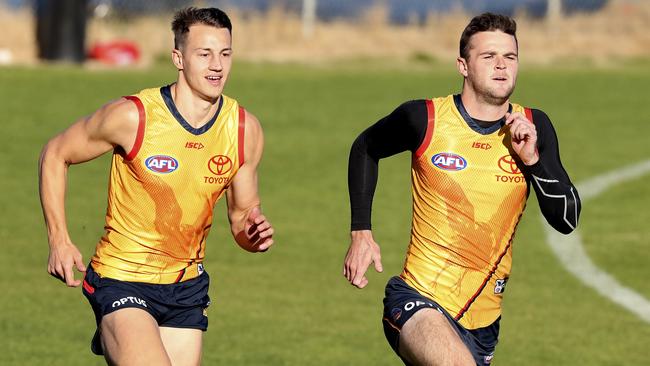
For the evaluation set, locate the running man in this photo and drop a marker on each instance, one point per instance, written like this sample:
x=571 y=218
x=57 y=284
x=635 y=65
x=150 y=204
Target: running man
x=176 y=150
x=474 y=157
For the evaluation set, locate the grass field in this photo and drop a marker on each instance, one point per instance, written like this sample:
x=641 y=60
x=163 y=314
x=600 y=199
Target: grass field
x=291 y=306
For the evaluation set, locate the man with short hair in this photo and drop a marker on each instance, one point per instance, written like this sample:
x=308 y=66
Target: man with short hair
x=475 y=155
x=176 y=150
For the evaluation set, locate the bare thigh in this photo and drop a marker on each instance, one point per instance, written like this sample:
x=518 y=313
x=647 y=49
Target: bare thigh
x=131 y=337
x=427 y=339
x=183 y=345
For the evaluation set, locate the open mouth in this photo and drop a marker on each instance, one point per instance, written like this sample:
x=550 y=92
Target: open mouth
x=214 y=80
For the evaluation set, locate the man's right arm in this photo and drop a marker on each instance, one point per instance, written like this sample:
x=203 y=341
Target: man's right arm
x=115 y=124
x=402 y=130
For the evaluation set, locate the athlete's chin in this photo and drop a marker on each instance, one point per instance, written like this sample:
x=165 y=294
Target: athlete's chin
x=498 y=97
x=212 y=93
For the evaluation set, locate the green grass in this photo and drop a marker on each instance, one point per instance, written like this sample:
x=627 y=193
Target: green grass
x=617 y=237
x=291 y=306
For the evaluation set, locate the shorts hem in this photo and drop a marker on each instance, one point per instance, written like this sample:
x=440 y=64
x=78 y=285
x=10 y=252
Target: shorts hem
x=182 y=326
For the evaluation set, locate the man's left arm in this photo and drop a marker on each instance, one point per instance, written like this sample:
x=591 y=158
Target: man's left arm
x=250 y=228
x=557 y=196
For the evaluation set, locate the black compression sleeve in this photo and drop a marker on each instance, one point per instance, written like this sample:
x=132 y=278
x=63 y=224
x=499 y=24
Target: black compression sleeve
x=558 y=198
x=402 y=130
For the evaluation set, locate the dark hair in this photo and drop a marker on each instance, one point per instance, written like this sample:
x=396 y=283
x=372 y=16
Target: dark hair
x=486 y=22
x=185 y=18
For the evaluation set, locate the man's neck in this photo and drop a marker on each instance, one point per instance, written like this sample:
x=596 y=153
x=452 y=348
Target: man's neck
x=480 y=109
x=195 y=110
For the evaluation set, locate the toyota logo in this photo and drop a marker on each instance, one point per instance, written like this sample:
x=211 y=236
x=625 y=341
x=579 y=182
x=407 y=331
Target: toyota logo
x=509 y=165
x=220 y=164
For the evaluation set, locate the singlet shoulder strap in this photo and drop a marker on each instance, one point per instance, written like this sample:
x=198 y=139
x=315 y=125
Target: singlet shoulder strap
x=431 y=116
x=240 y=135
x=141 y=124
x=529 y=113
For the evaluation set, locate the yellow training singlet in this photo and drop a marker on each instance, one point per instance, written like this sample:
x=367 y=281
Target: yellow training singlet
x=162 y=193
x=468 y=196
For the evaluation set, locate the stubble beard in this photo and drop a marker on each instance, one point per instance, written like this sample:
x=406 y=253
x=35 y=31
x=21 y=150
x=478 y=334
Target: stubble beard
x=493 y=96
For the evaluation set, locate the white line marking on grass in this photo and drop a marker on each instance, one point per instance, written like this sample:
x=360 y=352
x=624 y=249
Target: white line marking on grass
x=569 y=249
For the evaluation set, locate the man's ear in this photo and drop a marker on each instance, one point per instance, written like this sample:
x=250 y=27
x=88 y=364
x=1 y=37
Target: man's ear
x=177 y=59
x=461 y=64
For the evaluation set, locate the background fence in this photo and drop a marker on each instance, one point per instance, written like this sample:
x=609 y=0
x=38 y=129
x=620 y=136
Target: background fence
x=600 y=31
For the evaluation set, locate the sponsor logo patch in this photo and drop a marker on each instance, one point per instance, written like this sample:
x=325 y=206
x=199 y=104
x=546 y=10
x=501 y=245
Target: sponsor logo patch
x=194 y=145
x=509 y=178
x=219 y=164
x=161 y=164
x=416 y=304
x=449 y=161
x=215 y=180
x=129 y=300
x=481 y=145
x=508 y=165
x=500 y=286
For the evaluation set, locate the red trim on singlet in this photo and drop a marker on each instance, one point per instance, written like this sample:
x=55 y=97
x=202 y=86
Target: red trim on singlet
x=141 y=124
x=88 y=288
x=431 y=115
x=240 y=135
x=529 y=115
x=180 y=275
x=487 y=279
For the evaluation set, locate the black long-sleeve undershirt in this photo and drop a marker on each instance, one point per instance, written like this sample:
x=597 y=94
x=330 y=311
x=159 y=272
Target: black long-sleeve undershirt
x=558 y=198
x=404 y=129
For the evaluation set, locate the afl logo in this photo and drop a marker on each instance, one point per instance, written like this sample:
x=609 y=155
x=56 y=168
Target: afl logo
x=161 y=164
x=509 y=165
x=219 y=164
x=449 y=161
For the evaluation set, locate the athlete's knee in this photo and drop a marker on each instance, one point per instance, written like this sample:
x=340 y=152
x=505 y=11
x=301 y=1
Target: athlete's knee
x=183 y=345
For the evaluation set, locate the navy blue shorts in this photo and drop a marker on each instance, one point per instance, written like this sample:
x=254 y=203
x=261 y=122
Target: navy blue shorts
x=177 y=305
x=402 y=301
